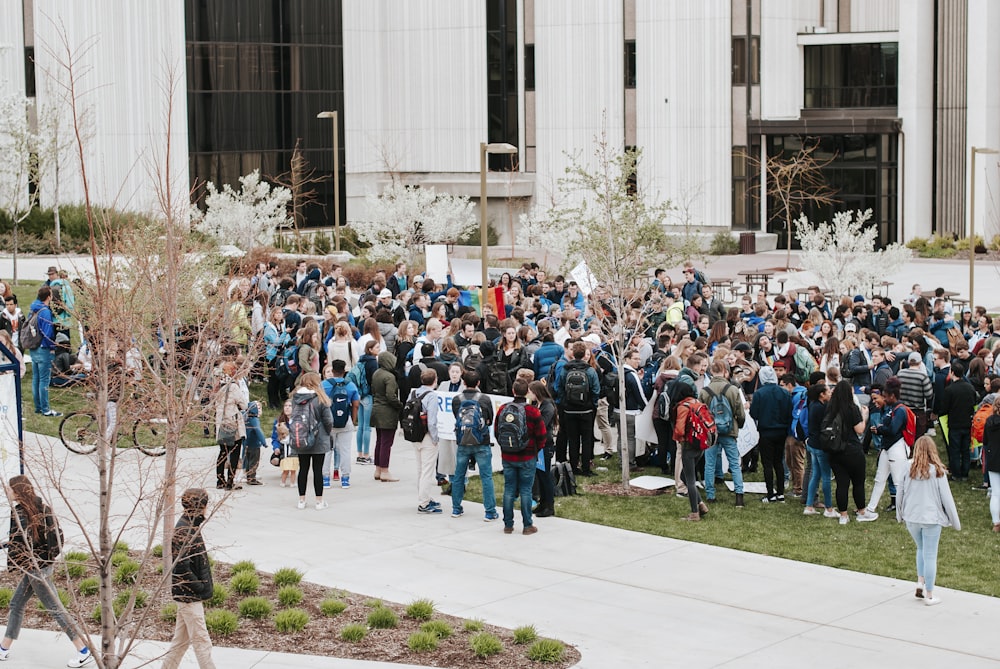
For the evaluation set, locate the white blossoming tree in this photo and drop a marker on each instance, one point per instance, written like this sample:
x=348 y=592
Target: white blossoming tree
x=246 y=218
x=842 y=254
x=402 y=219
x=539 y=231
x=19 y=146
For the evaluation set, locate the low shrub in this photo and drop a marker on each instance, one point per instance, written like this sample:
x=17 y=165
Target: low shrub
x=420 y=609
x=287 y=576
x=121 y=599
x=439 y=627
x=120 y=547
x=290 y=595
x=422 y=642
x=332 y=607
x=158 y=550
x=118 y=558
x=472 y=625
x=546 y=650
x=89 y=586
x=373 y=603
x=63 y=597
x=525 y=634
x=723 y=244
x=220 y=594
x=918 y=244
x=95 y=615
x=291 y=620
x=484 y=645
x=221 y=622
x=256 y=608
x=6 y=594
x=127 y=572
x=76 y=564
x=382 y=618
x=169 y=613
x=245 y=583
x=244 y=565
x=963 y=244
x=353 y=632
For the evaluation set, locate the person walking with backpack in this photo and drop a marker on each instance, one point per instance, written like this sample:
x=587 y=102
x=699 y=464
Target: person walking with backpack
x=839 y=435
x=577 y=389
x=33 y=544
x=192 y=583
x=520 y=431
x=892 y=458
x=344 y=403
x=385 y=414
x=723 y=400
x=771 y=408
x=309 y=432
x=420 y=427
x=473 y=415
x=926 y=505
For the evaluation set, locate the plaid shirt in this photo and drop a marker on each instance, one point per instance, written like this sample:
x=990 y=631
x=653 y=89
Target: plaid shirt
x=536 y=433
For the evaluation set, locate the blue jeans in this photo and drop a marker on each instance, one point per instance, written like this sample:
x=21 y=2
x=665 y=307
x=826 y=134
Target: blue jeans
x=41 y=375
x=364 y=425
x=926 y=537
x=484 y=462
x=37 y=582
x=713 y=459
x=518 y=477
x=819 y=469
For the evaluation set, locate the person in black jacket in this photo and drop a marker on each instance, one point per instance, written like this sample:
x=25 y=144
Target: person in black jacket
x=192 y=583
x=33 y=544
x=958 y=403
x=771 y=408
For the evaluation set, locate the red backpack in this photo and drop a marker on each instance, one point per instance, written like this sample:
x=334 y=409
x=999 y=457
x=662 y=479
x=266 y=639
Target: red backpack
x=700 y=427
x=984 y=411
x=910 y=428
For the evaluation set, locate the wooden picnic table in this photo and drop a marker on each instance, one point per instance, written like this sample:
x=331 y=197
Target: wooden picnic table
x=756 y=277
x=726 y=289
x=948 y=294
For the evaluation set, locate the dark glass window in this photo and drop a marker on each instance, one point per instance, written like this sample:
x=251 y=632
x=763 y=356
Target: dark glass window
x=259 y=71
x=501 y=79
x=529 y=67
x=739 y=57
x=851 y=75
x=740 y=199
x=630 y=63
x=29 y=71
x=863 y=174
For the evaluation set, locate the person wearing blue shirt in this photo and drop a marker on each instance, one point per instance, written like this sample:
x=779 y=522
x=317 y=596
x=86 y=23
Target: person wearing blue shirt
x=275 y=339
x=341 y=438
x=42 y=356
x=577 y=413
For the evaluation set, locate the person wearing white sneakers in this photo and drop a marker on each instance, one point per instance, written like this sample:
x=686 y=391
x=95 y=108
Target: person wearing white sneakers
x=925 y=504
x=309 y=430
x=844 y=448
x=33 y=544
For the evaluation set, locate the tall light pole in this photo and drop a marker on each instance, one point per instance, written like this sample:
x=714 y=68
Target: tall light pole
x=972 y=224
x=484 y=150
x=336 y=176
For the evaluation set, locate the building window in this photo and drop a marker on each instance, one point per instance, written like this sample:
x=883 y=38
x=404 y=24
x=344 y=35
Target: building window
x=739 y=55
x=630 y=63
x=740 y=199
x=851 y=75
x=501 y=80
x=29 y=71
x=529 y=67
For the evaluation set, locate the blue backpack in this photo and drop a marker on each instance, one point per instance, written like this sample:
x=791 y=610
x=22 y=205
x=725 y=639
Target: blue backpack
x=800 y=415
x=340 y=407
x=359 y=377
x=721 y=410
x=470 y=427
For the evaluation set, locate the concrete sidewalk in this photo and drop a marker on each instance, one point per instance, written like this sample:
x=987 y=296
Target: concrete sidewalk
x=625 y=599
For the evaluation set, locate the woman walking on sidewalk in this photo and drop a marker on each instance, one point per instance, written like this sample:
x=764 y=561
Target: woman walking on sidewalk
x=925 y=504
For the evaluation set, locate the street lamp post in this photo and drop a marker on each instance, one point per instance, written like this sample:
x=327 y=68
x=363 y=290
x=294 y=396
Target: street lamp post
x=336 y=175
x=972 y=223
x=484 y=150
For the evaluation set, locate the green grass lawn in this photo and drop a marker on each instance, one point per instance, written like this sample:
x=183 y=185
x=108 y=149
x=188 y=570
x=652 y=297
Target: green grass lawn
x=966 y=559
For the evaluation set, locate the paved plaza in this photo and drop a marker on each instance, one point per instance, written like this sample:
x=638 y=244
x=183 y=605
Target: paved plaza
x=625 y=599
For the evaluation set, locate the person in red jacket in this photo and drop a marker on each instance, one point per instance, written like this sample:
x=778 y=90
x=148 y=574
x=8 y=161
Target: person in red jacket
x=520 y=432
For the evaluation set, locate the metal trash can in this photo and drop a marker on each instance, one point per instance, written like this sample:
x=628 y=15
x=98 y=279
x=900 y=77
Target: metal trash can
x=748 y=243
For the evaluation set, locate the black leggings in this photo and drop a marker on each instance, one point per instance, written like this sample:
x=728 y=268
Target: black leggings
x=772 y=452
x=228 y=455
x=316 y=460
x=849 y=469
x=689 y=459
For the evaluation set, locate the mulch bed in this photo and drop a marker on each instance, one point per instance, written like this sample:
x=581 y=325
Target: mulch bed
x=321 y=635
x=614 y=489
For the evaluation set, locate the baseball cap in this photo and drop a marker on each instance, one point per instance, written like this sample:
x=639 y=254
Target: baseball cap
x=850 y=327
x=859 y=298
x=385 y=293
x=671 y=295
x=743 y=346
x=914 y=358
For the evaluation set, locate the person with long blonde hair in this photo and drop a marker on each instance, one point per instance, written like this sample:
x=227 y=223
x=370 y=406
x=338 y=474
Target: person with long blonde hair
x=924 y=502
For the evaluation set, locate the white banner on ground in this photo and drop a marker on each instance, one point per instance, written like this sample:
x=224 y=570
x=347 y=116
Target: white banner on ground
x=10 y=453
x=437 y=262
x=446 y=415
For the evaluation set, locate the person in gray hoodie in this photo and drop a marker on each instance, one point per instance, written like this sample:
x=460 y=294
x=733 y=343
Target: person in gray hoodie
x=925 y=504
x=771 y=408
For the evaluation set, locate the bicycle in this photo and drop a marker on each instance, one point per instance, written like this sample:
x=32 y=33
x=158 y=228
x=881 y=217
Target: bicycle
x=78 y=432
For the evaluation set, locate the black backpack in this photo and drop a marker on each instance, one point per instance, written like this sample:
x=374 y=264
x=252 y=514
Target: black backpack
x=413 y=420
x=53 y=537
x=340 y=407
x=512 y=428
x=563 y=479
x=576 y=387
x=831 y=433
x=495 y=380
x=651 y=371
